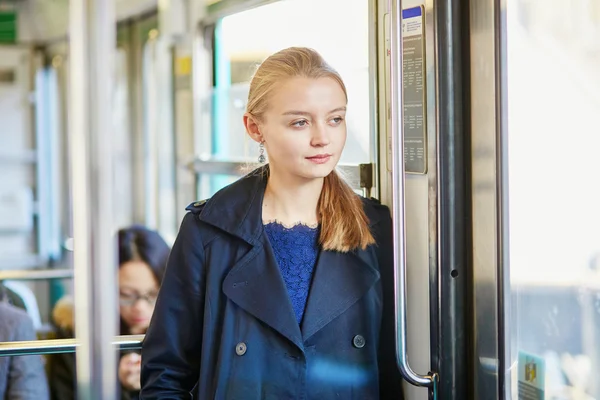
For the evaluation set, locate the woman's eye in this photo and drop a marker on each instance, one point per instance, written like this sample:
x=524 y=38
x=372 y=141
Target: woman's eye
x=337 y=120
x=300 y=124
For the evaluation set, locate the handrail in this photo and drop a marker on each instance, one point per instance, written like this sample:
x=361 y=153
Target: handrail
x=351 y=172
x=226 y=167
x=398 y=201
x=221 y=167
x=36 y=274
x=57 y=346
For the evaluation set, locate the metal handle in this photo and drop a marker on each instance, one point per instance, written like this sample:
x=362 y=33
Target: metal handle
x=399 y=234
x=28 y=348
x=352 y=173
x=36 y=274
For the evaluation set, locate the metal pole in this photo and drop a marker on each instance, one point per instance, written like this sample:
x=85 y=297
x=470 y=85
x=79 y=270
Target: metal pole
x=450 y=285
x=56 y=346
x=36 y=274
x=92 y=34
x=399 y=227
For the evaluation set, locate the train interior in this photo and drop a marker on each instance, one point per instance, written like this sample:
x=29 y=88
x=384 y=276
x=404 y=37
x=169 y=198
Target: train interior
x=500 y=136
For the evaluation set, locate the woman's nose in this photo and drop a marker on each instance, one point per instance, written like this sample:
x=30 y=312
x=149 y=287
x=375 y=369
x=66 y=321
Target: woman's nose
x=320 y=136
x=140 y=304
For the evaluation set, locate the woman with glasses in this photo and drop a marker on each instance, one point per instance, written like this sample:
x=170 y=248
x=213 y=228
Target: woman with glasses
x=142 y=255
x=142 y=258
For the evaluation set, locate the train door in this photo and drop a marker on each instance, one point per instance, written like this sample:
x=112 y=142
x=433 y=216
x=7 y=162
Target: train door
x=501 y=223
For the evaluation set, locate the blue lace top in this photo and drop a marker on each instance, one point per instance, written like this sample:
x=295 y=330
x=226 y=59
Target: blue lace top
x=296 y=250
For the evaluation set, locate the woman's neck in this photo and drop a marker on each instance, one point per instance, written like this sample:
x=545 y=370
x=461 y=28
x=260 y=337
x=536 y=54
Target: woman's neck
x=291 y=201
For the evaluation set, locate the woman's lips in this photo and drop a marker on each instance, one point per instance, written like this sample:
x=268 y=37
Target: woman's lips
x=320 y=158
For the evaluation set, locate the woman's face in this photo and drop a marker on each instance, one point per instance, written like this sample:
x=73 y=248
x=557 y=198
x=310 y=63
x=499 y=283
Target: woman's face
x=303 y=128
x=138 y=289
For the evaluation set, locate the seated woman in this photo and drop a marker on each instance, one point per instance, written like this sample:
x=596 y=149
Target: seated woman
x=142 y=256
x=21 y=377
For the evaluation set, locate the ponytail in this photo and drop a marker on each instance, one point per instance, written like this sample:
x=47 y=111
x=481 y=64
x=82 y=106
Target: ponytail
x=344 y=224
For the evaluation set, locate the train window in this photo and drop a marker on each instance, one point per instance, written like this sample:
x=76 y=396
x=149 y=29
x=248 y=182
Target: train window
x=208 y=182
x=553 y=62
x=245 y=39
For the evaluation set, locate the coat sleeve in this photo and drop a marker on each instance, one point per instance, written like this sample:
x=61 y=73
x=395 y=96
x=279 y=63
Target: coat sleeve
x=171 y=349
x=27 y=377
x=390 y=380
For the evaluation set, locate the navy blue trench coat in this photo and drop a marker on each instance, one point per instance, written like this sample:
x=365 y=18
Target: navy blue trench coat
x=224 y=327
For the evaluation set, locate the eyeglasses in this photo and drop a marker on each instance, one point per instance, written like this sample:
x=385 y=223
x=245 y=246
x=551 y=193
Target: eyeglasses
x=128 y=300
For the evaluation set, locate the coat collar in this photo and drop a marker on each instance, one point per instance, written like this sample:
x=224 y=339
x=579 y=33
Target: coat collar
x=255 y=283
x=237 y=208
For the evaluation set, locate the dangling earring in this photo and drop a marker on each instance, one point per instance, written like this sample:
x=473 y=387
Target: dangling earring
x=261 y=154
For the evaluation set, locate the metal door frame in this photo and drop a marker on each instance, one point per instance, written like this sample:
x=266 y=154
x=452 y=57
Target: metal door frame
x=490 y=284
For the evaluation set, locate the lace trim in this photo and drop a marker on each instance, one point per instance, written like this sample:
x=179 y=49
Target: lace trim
x=295 y=250
x=291 y=227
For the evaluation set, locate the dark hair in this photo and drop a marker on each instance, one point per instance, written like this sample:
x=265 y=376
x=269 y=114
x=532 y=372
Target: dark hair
x=137 y=243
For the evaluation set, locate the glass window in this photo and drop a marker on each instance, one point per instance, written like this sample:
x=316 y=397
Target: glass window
x=553 y=60
x=244 y=40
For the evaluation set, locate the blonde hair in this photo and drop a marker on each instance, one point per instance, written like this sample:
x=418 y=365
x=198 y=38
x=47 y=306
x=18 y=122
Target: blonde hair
x=344 y=224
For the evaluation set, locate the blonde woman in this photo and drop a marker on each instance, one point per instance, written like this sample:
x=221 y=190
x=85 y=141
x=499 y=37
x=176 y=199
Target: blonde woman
x=280 y=286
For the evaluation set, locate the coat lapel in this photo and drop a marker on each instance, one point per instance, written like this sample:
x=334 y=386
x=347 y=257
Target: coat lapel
x=339 y=281
x=256 y=285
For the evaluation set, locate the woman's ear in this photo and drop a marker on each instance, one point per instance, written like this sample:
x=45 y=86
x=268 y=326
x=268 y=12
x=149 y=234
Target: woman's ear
x=252 y=128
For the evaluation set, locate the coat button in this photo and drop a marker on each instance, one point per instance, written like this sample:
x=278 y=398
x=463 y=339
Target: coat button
x=358 y=341
x=240 y=349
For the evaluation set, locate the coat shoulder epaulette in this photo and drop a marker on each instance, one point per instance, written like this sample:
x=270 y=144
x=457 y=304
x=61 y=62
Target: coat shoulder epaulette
x=197 y=206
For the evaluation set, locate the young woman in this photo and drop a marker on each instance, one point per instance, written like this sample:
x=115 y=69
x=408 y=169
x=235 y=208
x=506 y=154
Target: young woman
x=280 y=286
x=142 y=255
